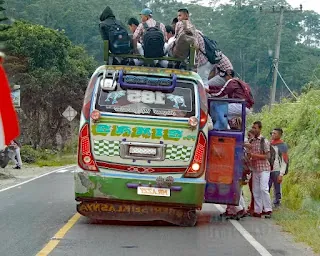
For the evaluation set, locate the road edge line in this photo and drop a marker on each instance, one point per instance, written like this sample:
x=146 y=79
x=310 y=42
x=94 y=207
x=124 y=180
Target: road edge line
x=49 y=247
x=255 y=244
x=35 y=178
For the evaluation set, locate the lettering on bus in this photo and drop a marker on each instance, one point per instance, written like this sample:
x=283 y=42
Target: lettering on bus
x=149 y=70
x=129 y=209
x=137 y=132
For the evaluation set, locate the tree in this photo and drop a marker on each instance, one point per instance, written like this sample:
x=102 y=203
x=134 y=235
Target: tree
x=244 y=34
x=3 y=17
x=53 y=74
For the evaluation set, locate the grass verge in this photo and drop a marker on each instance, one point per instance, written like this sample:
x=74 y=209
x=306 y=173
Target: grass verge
x=302 y=224
x=57 y=160
x=300 y=210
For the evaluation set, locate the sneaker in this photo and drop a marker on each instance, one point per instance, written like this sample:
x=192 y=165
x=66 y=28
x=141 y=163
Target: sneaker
x=267 y=215
x=256 y=215
x=17 y=167
x=242 y=213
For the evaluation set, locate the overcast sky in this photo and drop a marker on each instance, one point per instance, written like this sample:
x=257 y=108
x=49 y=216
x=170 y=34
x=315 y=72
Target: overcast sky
x=306 y=4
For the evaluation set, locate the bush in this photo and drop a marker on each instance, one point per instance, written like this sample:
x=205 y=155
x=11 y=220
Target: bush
x=29 y=155
x=300 y=122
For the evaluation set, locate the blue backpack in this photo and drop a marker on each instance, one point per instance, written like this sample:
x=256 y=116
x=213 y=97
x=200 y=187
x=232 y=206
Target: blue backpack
x=213 y=54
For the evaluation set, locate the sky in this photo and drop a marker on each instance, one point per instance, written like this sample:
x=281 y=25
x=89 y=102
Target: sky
x=306 y=4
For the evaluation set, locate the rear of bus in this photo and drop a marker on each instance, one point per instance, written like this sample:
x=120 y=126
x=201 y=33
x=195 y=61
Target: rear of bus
x=142 y=142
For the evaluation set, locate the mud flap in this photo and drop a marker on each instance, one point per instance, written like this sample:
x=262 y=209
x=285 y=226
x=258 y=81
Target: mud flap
x=185 y=217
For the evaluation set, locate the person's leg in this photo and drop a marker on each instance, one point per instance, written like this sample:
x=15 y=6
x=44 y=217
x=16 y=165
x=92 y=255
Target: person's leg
x=217 y=81
x=265 y=195
x=251 y=206
x=19 y=161
x=256 y=177
x=271 y=181
x=204 y=71
x=277 y=189
x=219 y=110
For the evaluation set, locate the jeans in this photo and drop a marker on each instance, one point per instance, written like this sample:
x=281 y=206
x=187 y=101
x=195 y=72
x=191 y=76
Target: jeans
x=277 y=187
x=18 y=161
x=219 y=111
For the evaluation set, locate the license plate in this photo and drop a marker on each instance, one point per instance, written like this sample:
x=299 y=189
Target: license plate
x=149 y=191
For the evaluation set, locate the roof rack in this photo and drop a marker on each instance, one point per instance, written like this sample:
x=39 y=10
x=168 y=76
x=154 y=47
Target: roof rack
x=187 y=64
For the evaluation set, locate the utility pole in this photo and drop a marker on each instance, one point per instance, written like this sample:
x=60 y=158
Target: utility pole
x=275 y=62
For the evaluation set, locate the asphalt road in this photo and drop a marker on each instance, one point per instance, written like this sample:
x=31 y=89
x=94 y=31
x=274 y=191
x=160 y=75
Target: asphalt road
x=31 y=214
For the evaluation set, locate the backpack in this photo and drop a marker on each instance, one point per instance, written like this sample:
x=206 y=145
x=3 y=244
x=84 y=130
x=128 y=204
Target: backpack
x=119 y=40
x=213 y=54
x=186 y=37
x=287 y=167
x=272 y=155
x=153 y=41
x=247 y=93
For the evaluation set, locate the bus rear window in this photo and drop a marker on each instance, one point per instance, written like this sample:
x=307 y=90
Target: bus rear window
x=179 y=103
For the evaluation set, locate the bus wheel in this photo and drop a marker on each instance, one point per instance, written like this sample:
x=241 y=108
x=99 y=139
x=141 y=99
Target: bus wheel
x=189 y=219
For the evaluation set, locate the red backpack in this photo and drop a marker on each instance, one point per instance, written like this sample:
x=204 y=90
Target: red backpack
x=247 y=93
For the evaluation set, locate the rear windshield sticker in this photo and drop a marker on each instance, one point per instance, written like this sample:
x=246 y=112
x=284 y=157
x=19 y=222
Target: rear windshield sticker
x=179 y=103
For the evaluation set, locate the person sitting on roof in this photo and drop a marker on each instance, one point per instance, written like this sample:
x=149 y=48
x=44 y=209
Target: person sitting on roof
x=184 y=34
x=151 y=33
x=115 y=32
x=169 y=38
x=133 y=24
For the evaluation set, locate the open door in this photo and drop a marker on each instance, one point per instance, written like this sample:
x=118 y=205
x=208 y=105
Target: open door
x=225 y=156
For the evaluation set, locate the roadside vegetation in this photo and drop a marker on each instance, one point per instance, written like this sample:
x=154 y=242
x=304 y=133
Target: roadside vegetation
x=300 y=120
x=53 y=72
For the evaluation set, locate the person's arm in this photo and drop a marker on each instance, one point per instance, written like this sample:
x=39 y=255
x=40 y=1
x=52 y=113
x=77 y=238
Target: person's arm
x=136 y=36
x=264 y=156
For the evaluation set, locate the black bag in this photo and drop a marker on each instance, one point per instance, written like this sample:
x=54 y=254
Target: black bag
x=153 y=41
x=119 y=40
x=272 y=155
x=213 y=54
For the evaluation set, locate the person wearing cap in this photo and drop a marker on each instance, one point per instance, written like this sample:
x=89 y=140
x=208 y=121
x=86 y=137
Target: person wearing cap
x=146 y=17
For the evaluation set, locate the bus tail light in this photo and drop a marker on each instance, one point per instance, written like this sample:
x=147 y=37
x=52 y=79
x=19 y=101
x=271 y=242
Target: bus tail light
x=198 y=163
x=85 y=157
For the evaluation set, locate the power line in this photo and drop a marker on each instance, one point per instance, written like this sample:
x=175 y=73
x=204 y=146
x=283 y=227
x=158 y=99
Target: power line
x=285 y=82
x=277 y=50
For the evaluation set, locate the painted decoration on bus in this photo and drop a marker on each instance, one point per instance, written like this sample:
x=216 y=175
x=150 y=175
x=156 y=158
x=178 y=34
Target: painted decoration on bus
x=179 y=103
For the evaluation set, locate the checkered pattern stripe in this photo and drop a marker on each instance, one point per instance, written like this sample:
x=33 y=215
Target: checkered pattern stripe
x=106 y=148
x=177 y=152
x=112 y=148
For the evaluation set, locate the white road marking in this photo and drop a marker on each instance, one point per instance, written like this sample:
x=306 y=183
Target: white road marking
x=262 y=251
x=63 y=170
x=37 y=177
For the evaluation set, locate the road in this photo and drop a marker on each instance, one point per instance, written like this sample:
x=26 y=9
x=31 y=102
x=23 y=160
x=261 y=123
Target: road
x=33 y=213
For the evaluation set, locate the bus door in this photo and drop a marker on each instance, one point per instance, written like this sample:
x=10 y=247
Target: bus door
x=225 y=153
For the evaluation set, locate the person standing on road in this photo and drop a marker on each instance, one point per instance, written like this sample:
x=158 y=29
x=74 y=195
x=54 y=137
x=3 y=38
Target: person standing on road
x=16 y=157
x=9 y=126
x=280 y=164
x=259 y=155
